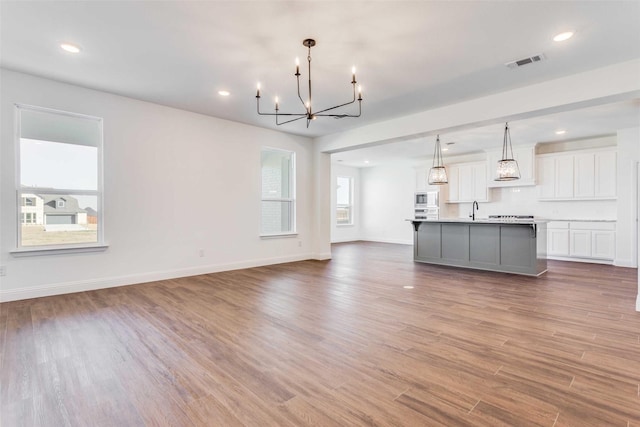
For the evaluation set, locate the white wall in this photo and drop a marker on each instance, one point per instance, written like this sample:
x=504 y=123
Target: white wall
x=346 y=233
x=627 y=212
x=387 y=201
x=175 y=182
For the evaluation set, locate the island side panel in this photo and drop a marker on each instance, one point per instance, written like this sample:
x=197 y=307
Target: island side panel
x=484 y=246
x=428 y=242
x=518 y=252
x=541 y=241
x=455 y=244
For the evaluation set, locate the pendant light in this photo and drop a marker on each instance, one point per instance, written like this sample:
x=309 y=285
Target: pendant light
x=437 y=173
x=508 y=169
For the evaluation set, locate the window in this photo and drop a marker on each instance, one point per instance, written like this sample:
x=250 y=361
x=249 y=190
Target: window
x=59 y=179
x=278 y=192
x=344 y=201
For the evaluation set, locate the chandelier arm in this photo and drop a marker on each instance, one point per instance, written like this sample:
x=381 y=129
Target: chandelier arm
x=300 y=97
x=302 y=116
x=338 y=106
x=282 y=114
x=342 y=115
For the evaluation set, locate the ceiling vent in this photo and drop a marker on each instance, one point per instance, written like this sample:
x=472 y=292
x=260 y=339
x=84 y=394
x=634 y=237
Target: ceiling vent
x=525 y=61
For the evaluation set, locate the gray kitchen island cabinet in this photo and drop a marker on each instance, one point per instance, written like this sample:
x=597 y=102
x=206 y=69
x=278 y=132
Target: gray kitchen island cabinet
x=518 y=247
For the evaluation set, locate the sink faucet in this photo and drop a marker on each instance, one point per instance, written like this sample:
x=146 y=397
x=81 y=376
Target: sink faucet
x=474 y=208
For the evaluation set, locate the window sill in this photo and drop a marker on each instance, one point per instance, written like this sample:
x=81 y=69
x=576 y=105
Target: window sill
x=345 y=225
x=278 y=236
x=27 y=252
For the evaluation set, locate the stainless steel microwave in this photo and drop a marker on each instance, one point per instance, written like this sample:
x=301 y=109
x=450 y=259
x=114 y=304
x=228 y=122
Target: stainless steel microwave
x=426 y=199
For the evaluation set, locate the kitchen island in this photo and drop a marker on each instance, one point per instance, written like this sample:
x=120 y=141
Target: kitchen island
x=509 y=246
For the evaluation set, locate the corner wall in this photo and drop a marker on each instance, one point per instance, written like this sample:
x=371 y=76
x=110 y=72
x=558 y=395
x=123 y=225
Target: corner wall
x=627 y=203
x=346 y=233
x=387 y=201
x=175 y=183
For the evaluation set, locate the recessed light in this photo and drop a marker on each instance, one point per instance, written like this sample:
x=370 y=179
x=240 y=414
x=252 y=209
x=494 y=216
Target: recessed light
x=445 y=149
x=224 y=93
x=71 y=48
x=561 y=132
x=563 y=36
x=366 y=162
x=408 y=287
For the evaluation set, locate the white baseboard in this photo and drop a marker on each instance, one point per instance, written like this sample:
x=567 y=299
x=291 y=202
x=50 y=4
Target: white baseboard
x=638 y=302
x=112 y=282
x=625 y=263
x=588 y=260
x=394 y=241
x=355 y=239
x=322 y=256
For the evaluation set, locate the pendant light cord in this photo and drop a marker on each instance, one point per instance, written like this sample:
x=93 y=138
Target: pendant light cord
x=507 y=137
x=437 y=154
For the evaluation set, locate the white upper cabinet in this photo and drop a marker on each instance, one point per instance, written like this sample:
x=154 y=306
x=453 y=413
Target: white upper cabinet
x=563 y=180
x=584 y=183
x=467 y=182
x=584 y=175
x=525 y=156
x=605 y=170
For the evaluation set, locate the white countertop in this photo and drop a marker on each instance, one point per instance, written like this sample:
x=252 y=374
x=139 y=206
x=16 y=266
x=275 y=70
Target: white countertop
x=484 y=220
x=582 y=220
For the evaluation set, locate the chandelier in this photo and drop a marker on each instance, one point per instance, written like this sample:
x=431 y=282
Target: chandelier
x=437 y=173
x=308 y=113
x=508 y=169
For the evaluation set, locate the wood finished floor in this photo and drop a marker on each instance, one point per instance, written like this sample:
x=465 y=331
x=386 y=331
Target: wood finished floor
x=335 y=343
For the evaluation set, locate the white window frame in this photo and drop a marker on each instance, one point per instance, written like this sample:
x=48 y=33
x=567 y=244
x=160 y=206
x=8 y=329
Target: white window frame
x=100 y=245
x=291 y=199
x=349 y=205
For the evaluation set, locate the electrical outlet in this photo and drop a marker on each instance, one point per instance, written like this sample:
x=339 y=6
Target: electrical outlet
x=3 y=270
x=201 y=253
x=299 y=243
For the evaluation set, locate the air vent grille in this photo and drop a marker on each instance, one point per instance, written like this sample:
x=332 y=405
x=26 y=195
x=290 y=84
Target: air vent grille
x=525 y=61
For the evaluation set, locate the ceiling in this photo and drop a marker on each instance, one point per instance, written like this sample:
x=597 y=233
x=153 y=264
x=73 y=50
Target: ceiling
x=410 y=55
x=603 y=120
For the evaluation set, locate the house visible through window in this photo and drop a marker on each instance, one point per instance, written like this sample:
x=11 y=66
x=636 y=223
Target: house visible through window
x=344 y=200
x=59 y=180
x=278 y=192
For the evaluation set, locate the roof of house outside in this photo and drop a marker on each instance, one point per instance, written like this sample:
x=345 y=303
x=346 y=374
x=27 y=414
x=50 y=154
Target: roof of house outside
x=70 y=206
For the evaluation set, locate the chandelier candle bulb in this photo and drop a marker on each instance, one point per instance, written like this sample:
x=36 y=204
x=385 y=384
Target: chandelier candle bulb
x=297 y=66
x=258 y=93
x=353 y=71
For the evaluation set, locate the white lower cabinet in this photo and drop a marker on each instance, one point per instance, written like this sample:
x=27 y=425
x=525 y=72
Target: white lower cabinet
x=580 y=243
x=588 y=241
x=603 y=244
x=558 y=239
